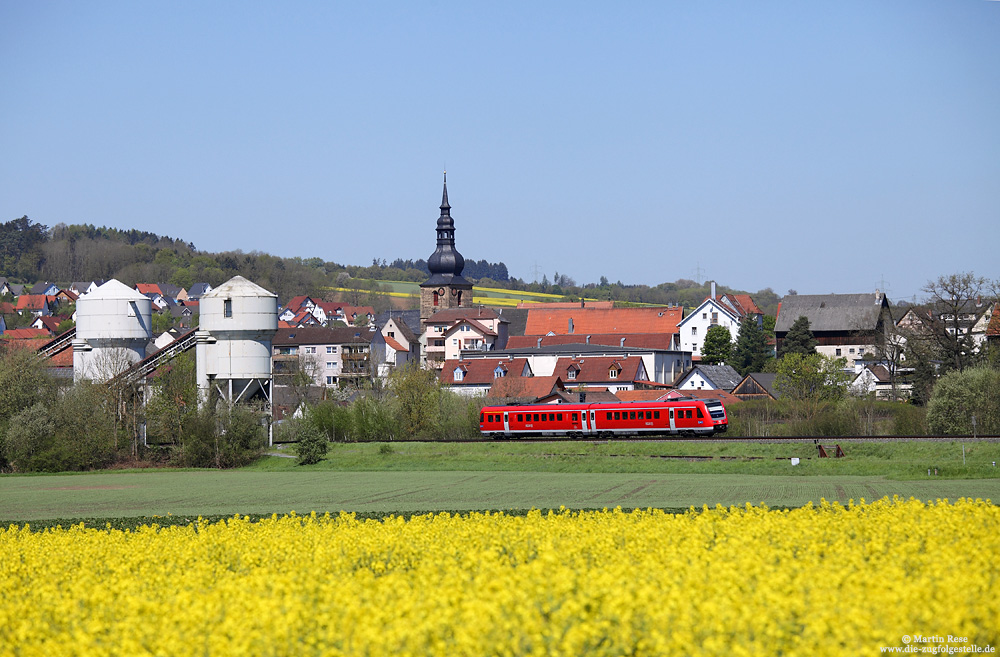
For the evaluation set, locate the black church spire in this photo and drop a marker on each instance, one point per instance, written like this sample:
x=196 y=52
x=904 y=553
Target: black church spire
x=446 y=263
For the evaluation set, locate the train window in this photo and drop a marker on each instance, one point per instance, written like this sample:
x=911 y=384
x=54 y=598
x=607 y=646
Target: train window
x=699 y=413
x=649 y=415
x=480 y=417
x=609 y=415
x=688 y=413
x=520 y=417
x=618 y=415
x=631 y=415
x=559 y=417
x=536 y=417
x=574 y=417
x=656 y=415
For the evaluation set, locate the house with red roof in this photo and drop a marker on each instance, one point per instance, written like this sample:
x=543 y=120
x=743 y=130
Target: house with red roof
x=36 y=304
x=611 y=372
x=726 y=311
x=476 y=377
x=448 y=332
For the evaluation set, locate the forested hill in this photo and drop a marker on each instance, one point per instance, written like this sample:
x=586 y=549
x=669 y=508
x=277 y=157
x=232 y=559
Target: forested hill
x=31 y=252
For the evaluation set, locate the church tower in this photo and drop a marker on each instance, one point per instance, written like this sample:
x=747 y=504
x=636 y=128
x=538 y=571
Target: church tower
x=446 y=288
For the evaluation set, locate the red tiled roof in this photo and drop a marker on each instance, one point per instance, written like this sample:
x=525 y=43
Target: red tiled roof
x=7 y=307
x=532 y=387
x=27 y=334
x=394 y=344
x=993 y=328
x=598 y=368
x=31 y=302
x=484 y=330
x=637 y=340
x=479 y=371
x=746 y=304
x=542 y=320
x=148 y=288
x=49 y=323
x=569 y=304
x=449 y=315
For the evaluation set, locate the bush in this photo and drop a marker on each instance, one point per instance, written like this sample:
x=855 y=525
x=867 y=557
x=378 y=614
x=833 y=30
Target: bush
x=312 y=442
x=958 y=396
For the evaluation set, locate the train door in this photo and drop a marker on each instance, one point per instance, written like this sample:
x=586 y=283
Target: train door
x=673 y=427
x=593 y=422
x=506 y=424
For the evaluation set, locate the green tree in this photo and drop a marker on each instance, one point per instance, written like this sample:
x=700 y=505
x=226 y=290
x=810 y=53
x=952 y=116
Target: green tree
x=718 y=346
x=416 y=390
x=799 y=339
x=752 y=351
x=960 y=395
x=812 y=377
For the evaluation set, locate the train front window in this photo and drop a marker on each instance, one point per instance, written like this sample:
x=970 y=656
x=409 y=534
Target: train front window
x=480 y=417
x=700 y=413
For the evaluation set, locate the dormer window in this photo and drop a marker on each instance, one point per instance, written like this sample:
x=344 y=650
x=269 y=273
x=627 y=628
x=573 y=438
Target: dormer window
x=499 y=373
x=458 y=374
x=571 y=374
x=613 y=373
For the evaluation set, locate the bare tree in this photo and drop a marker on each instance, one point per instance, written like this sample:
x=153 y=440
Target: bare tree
x=955 y=303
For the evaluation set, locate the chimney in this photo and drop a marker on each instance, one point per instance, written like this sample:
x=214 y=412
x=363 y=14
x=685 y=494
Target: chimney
x=713 y=290
x=539 y=342
x=570 y=324
x=588 y=339
x=622 y=343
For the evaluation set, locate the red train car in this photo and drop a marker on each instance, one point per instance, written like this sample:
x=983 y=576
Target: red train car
x=703 y=417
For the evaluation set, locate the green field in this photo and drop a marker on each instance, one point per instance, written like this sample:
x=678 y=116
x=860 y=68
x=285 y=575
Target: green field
x=419 y=477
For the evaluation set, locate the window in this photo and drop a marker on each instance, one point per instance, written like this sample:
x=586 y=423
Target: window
x=699 y=413
x=704 y=315
x=838 y=350
x=631 y=415
x=574 y=417
x=613 y=374
x=331 y=350
x=852 y=350
x=391 y=334
x=457 y=374
x=330 y=365
x=687 y=413
x=694 y=330
x=618 y=415
x=609 y=415
x=454 y=341
x=715 y=318
x=656 y=415
x=330 y=380
x=500 y=373
x=861 y=351
x=558 y=417
x=520 y=417
x=571 y=374
x=310 y=350
x=536 y=416
x=649 y=415
x=227 y=307
x=481 y=417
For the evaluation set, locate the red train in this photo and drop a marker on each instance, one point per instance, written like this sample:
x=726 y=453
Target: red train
x=703 y=417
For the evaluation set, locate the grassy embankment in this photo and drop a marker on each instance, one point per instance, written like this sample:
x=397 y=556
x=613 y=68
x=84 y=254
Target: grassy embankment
x=406 y=478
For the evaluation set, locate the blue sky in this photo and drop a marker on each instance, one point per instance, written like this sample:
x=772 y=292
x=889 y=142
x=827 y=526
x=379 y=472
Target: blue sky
x=818 y=146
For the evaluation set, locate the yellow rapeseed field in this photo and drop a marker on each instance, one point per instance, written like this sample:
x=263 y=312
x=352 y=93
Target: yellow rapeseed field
x=826 y=579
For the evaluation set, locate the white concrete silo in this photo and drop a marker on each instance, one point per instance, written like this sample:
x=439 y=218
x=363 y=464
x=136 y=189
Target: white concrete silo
x=233 y=342
x=113 y=328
